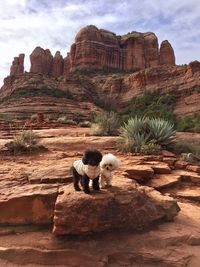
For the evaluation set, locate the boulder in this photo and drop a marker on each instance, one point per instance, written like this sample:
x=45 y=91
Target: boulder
x=28 y=204
x=140 y=173
x=125 y=206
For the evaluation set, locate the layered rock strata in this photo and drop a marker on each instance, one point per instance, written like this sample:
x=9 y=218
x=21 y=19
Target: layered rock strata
x=98 y=48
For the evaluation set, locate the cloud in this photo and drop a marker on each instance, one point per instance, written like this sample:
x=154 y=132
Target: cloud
x=25 y=24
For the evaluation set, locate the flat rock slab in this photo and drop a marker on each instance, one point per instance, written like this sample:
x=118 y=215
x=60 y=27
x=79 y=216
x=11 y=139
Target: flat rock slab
x=193 y=168
x=191 y=194
x=124 y=206
x=140 y=173
x=28 y=204
x=161 y=181
x=51 y=174
x=161 y=169
x=188 y=176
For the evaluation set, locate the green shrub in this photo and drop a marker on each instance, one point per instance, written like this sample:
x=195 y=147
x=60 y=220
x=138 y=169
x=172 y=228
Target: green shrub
x=185 y=146
x=34 y=117
x=140 y=132
x=197 y=89
x=153 y=106
x=40 y=92
x=84 y=124
x=106 y=123
x=101 y=71
x=62 y=119
x=150 y=148
x=71 y=122
x=26 y=141
x=6 y=117
x=107 y=104
x=189 y=124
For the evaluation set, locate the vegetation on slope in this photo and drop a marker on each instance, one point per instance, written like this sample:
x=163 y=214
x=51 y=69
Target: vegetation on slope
x=39 y=92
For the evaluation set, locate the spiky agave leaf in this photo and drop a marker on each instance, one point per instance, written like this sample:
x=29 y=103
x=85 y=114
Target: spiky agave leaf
x=133 y=134
x=162 y=131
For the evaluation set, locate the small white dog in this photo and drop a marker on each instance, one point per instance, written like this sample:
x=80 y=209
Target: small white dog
x=108 y=165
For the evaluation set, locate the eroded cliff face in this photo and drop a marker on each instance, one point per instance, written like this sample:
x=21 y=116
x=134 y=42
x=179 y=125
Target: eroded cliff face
x=141 y=67
x=98 y=48
x=17 y=66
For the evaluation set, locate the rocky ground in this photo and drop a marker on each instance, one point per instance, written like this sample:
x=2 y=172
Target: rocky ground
x=31 y=185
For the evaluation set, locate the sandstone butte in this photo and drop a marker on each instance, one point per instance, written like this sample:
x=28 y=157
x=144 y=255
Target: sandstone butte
x=97 y=48
x=140 y=63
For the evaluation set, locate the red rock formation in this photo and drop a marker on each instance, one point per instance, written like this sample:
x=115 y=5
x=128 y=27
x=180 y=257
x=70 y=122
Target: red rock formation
x=97 y=48
x=151 y=50
x=167 y=56
x=17 y=65
x=41 y=61
x=58 y=63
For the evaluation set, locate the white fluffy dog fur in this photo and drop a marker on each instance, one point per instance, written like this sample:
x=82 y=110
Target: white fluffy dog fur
x=108 y=165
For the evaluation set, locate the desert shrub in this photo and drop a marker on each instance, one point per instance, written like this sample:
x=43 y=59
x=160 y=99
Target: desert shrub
x=39 y=92
x=153 y=106
x=34 y=117
x=105 y=104
x=71 y=122
x=150 y=148
x=141 y=133
x=106 y=123
x=185 y=146
x=6 y=117
x=197 y=89
x=101 y=71
x=189 y=124
x=84 y=124
x=63 y=119
x=24 y=142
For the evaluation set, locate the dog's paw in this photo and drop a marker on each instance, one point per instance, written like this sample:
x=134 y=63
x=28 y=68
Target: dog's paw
x=87 y=191
x=96 y=187
x=77 y=189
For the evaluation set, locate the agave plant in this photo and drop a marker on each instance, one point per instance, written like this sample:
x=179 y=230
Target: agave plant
x=140 y=131
x=133 y=134
x=162 y=131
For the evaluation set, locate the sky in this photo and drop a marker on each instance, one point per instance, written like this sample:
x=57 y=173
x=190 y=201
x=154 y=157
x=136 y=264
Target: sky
x=53 y=24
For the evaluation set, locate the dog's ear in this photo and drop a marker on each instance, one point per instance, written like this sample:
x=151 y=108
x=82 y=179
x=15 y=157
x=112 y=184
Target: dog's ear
x=85 y=161
x=86 y=157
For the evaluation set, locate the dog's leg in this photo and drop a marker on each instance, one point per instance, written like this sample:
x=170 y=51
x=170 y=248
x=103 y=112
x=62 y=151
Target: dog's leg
x=103 y=184
x=95 y=184
x=76 y=179
x=85 y=184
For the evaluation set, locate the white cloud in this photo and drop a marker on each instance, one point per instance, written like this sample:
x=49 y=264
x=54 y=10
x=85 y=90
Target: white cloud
x=25 y=24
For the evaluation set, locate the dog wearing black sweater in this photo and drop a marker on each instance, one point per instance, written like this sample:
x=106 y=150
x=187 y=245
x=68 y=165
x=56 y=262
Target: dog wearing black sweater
x=87 y=169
